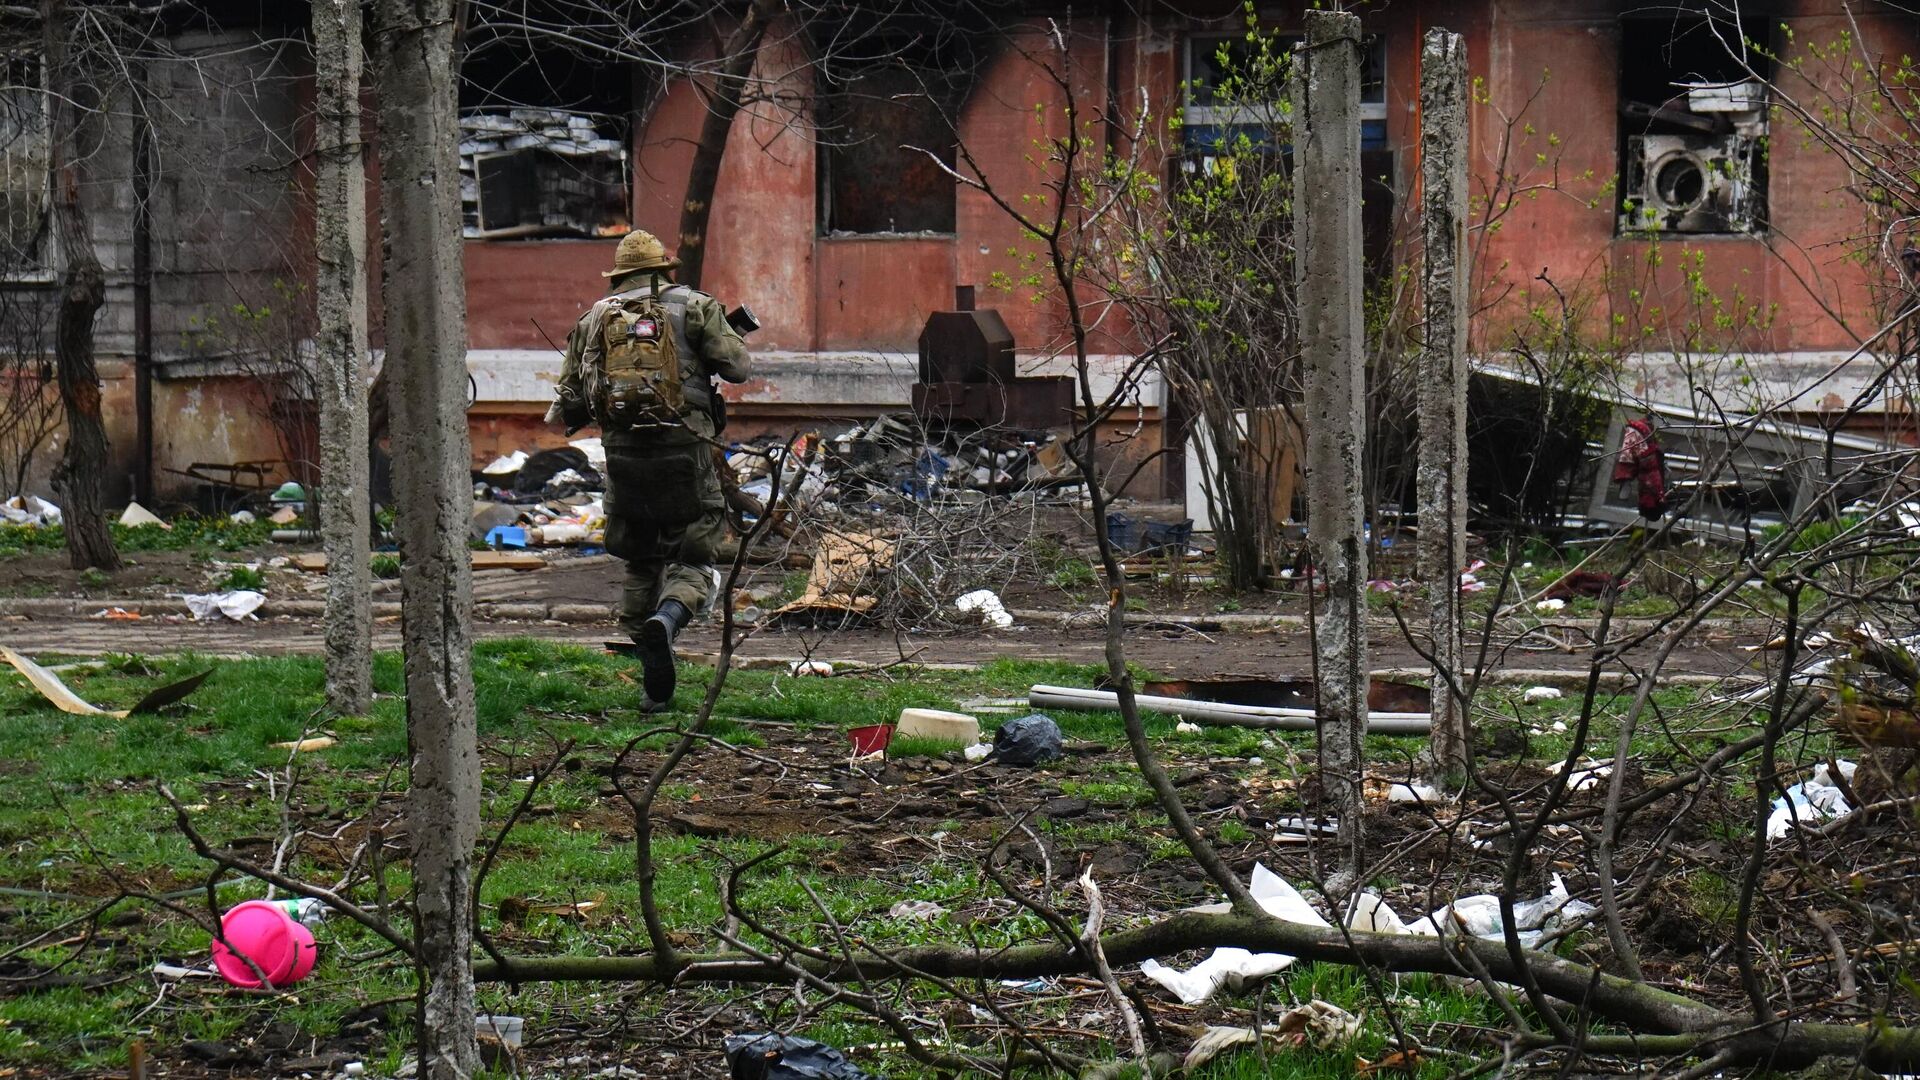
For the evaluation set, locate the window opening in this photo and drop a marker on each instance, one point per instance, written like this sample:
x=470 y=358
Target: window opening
x=1693 y=125
x=25 y=165
x=883 y=89
x=543 y=140
x=1210 y=58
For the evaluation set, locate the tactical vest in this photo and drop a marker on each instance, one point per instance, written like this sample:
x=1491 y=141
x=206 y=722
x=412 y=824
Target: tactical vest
x=642 y=371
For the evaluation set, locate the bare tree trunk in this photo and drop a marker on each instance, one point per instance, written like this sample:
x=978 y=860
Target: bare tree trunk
x=1327 y=108
x=1443 y=379
x=340 y=242
x=425 y=295
x=83 y=465
x=741 y=49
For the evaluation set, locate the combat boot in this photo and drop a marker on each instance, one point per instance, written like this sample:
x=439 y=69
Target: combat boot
x=656 y=653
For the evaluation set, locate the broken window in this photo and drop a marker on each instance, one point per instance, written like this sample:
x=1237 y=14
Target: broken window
x=1214 y=59
x=895 y=88
x=543 y=140
x=1214 y=124
x=1693 y=125
x=25 y=160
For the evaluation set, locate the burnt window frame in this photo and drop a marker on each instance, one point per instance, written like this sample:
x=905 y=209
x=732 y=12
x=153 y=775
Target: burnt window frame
x=1690 y=139
x=505 y=74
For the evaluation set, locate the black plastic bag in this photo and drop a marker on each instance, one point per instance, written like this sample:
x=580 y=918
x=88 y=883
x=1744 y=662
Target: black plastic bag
x=763 y=1055
x=1030 y=740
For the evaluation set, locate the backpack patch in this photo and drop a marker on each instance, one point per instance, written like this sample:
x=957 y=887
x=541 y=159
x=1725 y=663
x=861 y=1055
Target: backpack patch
x=641 y=358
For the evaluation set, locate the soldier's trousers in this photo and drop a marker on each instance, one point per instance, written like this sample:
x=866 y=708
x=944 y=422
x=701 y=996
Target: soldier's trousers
x=673 y=563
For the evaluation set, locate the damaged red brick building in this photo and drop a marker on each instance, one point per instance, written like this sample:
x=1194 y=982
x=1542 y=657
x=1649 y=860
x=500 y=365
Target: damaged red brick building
x=843 y=242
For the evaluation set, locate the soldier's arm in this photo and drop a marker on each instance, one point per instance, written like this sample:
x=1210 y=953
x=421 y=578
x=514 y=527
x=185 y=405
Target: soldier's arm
x=721 y=347
x=570 y=408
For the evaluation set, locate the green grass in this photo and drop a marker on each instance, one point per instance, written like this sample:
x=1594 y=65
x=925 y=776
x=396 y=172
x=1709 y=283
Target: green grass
x=187 y=533
x=82 y=818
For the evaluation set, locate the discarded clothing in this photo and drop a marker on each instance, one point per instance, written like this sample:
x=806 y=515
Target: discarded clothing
x=1642 y=462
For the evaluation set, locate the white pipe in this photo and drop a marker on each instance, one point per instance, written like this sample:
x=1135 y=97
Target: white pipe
x=1075 y=699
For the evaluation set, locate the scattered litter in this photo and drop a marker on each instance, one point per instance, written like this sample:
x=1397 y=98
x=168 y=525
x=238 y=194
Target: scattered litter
x=29 y=510
x=1186 y=728
x=354 y=1069
x=810 y=667
x=1029 y=740
x=1030 y=986
x=260 y=931
x=67 y=701
x=1550 y=606
x=175 y=972
x=136 y=515
x=304 y=746
x=304 y=910
x=1810 y=642
x=516 y=910
x=1585 y=774
x=286 y=515
x=1559 y=727
x=977 y=752
x=506 y=536
x=117 y=614
x=1477 y=916
x=238 y=605
x=506 y=465
x=988 y=606
x=1256 y=762
x=242 y=517
x=1542 y=693
x=1413 y=793
x=871 y=739
x=765 y=1055
x=510 y=1030
x=921 y=910
x=1316 y=1024
x=1813 y=800
x=938 y=725
x=1233 y=968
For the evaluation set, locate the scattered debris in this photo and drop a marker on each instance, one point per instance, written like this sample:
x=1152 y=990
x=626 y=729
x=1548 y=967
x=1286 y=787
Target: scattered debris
x=286 y=515
x=67 y=701
x=136 y=515
x=765 y=1055
x=1548 y=607
x=802 y=668
x=1029 y=740
x=1316 y=1024
x=919 y=910
x=1811 y=801
x=1542 y=693
x=1477 y=916
x=1233 y=968
x=872 y=739
x=987 y=604
x=117 y=614
x=242 y=517
x=304 y=746
x=515 y=910
x=1413 y=793
x=1186 y=728
x=282 y=949
x=977 y=752
x=844 y=567
x=238 y=605
x=29 y=510
x=938 y=725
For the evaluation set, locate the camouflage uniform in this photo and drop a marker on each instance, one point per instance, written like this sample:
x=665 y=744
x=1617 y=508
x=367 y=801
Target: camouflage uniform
x=665 y=510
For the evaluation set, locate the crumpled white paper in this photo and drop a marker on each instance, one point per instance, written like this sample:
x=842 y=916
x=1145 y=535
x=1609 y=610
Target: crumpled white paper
x=991 y=610
x=1812 y=801
x=1478 y=916
x=237 y=605
x=1232 y=967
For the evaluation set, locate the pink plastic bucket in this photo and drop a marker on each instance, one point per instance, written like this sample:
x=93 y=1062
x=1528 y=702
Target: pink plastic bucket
x=261 y=931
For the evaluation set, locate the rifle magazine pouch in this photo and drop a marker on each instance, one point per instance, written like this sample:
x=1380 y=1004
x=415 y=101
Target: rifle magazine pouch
x=663 y=488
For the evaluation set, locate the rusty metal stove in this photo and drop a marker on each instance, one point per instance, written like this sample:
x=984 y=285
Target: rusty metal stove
x=968 y=376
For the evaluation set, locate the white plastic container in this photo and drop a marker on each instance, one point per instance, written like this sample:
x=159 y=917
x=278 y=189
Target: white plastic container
x=935 y=724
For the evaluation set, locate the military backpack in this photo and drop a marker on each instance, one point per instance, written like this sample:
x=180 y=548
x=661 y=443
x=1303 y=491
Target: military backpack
x=640 y=356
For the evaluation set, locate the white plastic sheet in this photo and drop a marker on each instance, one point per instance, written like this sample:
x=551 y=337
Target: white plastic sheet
x=1812 y=801
x=1233 y=967
x=237 y=605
